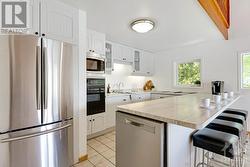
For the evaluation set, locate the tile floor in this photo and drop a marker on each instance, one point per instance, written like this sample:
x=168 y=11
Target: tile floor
x=101 y=152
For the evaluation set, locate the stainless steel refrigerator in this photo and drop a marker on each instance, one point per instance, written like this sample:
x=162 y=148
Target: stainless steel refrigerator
x=36 y=102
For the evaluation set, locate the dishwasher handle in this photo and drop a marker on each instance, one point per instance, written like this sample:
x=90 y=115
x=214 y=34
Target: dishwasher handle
x=148 y=128
x=134 y=123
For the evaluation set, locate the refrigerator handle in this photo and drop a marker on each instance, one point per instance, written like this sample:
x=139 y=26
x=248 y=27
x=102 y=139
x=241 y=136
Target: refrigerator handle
x=45 y=74
x=38 y=77
x=7 y=140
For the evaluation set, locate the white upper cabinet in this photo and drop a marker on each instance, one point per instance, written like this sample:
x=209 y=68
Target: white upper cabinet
x=33 y=19
x=32 y=22
x=127 y=53
x=122 y=54
x=109 y=58
x=147 y=63
x=52 y=19
x=96 y=42
x=143 y=63
x=59 y=21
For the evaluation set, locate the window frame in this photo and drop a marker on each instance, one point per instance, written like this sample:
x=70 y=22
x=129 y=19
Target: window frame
x=240 y=71
x=175 y=67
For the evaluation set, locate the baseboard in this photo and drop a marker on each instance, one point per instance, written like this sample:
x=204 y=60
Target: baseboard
x=83 y=158
x=100 y=133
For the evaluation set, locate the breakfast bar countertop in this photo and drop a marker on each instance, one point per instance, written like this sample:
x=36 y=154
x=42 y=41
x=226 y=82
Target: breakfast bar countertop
x=180 y=110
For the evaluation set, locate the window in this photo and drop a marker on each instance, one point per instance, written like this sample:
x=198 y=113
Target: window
x=188 y=74
x=245 y=70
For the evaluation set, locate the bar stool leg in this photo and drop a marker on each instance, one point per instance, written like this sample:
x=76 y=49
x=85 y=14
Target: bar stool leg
x=195 y=154
x=203 y=158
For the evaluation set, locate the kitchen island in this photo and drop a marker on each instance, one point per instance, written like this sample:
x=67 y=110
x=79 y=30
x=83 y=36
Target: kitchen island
x=181 y=116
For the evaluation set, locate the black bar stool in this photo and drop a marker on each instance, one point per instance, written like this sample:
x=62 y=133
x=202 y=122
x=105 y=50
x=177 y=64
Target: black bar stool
x=226 y=126
x=232 y=128
x=237 y=112
x=243 y=113
x=217 y=142
x=232 y=117
x=236 y=118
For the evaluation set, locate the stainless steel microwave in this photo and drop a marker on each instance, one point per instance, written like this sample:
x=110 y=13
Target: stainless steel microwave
x=95 y=64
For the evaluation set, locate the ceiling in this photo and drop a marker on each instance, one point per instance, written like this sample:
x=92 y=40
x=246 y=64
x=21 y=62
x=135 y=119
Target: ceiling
x=178 y=22
x=240 y=19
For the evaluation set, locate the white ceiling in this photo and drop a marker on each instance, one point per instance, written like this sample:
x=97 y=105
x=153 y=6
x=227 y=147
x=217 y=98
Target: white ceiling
x=178 y=22
x=240 y=19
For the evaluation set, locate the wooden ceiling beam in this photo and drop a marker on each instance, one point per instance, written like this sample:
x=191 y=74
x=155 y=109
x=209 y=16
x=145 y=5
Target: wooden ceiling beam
x=218 y=11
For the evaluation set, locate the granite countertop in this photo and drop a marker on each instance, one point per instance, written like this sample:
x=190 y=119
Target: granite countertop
x=181 y=110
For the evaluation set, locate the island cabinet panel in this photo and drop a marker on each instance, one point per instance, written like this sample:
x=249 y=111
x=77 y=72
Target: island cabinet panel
x=180 y=148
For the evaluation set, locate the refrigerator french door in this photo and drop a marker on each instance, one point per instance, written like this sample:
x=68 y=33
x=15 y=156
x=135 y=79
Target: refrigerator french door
x=36 y=99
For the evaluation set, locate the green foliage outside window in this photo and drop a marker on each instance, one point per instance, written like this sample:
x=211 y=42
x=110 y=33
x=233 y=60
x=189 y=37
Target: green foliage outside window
x=189 y=74
x=246 y=70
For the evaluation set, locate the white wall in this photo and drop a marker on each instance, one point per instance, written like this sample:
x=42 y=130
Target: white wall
x=122 y=73
x=220 y=62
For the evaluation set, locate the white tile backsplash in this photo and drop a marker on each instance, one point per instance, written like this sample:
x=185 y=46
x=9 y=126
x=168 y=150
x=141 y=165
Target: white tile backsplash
x=122 y=73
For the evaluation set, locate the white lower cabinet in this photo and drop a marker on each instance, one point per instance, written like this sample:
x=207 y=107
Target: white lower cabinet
x=112 y=103
x=96 y=123
x=99 y=122
x=140 y=97
x=89 y=125
x=159 y=96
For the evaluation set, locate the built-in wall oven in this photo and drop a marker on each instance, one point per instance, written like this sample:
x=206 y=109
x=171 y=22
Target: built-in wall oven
x=95 y=63
x=95 y=95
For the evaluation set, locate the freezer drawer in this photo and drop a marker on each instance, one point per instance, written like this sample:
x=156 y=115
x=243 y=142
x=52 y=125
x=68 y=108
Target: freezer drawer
x=48 y=146
x=139 y=142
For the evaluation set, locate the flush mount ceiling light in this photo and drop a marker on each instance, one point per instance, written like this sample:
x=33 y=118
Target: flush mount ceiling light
x=142 y=25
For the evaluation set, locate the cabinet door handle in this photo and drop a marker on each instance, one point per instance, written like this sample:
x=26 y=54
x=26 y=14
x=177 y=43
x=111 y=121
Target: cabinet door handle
x=93 y=119
x=124 y=99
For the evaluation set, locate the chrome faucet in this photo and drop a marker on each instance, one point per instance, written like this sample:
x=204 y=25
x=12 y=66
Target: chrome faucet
x=120 y=84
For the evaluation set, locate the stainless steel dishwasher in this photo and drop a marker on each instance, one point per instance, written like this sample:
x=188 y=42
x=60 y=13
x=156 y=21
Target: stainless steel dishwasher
x=139 y=142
